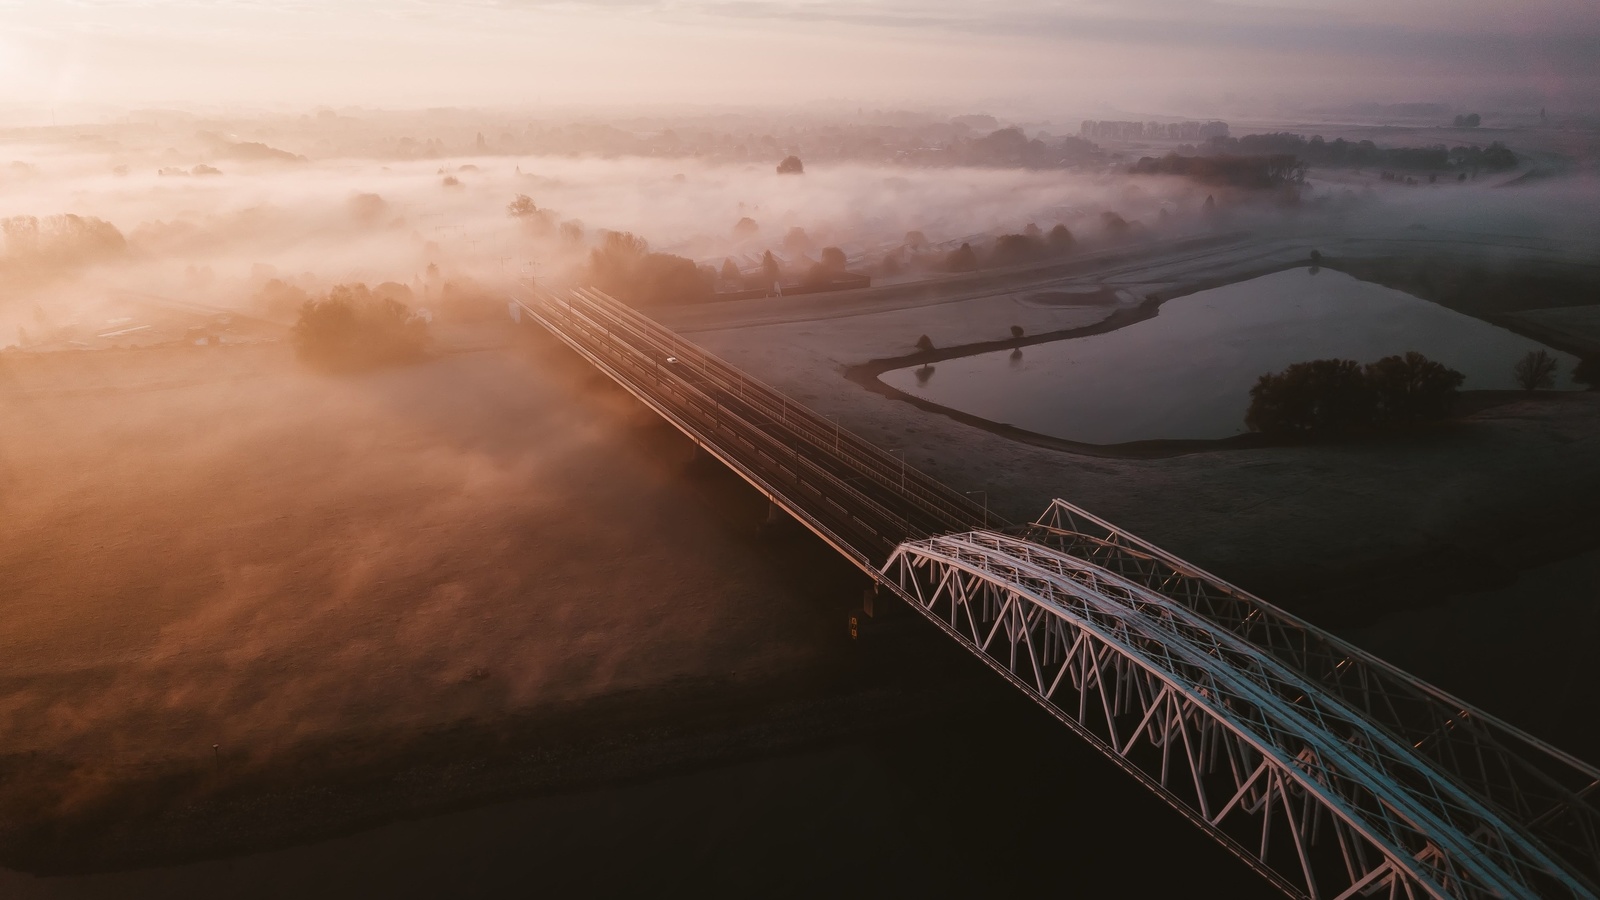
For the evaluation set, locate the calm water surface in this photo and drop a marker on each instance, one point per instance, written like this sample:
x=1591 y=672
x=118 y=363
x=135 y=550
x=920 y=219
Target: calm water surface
x=1187 y=372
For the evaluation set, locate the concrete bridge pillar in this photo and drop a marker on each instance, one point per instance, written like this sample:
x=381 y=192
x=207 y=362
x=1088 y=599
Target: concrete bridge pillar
x=775 y=515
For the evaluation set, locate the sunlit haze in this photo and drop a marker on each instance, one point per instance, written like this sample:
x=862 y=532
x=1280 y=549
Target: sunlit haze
x=823 y=448
x=1158 y=55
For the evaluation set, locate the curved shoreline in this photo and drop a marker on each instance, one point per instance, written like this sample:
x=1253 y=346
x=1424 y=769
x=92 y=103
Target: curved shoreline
x=867 y=375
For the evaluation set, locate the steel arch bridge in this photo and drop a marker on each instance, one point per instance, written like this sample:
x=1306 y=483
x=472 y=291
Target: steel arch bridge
x=1329 y=771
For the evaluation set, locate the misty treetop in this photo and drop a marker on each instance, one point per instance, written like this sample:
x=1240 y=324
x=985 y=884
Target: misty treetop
x=1258 y=172
x=355 y=327
x=1340 y=153
x=37 y=249
x=624 y=267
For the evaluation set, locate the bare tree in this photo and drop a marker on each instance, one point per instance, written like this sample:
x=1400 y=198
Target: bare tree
x=1536 y=371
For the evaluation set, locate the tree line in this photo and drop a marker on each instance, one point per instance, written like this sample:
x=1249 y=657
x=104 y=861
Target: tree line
x=1328 y=399
x=1340 y=153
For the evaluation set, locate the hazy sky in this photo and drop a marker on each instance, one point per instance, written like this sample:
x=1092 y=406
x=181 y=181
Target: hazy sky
x=1150 y=54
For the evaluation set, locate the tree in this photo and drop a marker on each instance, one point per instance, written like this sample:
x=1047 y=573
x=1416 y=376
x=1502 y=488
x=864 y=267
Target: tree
x=355 y=328
x=1412 y=389
x=1016 y=331
x=521 y=206
x=796 y=241
x=1321 y=399
x=745 y=228
x=367 y=208
x=280 y=299
x=730 y=271
x=770 y=269
x=961 y=259
x=623 y=265
x=1113 y=223
x=1061 y=239
x=1010 y=249
x=833 y=259
x=791 y=165
x=925 y=343
x=1536 y=371
x=916 y=240
x=1587 y=371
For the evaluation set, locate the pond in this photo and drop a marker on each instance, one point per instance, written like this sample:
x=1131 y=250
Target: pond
x=1187 y=372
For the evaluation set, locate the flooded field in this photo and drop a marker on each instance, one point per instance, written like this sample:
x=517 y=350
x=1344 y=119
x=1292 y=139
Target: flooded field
x=1187 y=373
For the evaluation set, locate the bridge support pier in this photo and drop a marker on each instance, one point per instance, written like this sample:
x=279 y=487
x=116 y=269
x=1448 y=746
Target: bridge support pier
x=775 y=515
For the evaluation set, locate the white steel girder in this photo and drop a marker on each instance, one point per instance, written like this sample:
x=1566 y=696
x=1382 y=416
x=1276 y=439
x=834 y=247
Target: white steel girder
x=1540 y=789
x=1310 y=792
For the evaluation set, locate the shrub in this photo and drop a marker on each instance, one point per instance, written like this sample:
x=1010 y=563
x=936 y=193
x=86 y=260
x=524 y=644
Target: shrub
x=791 y=165
x=961 y=259
x=1011 y=249
x=925 y=343
x=797 y=241
x=355 y=328
x=1411 y=389
x=1587 y=371
x=1320 y=399
x=1061 y=239
x=892 y=264
x=279 y=299
x=1016 y=331
x=1536 y=371
x=367 y=209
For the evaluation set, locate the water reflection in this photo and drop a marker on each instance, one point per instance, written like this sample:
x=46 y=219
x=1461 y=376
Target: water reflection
x=1187 y=372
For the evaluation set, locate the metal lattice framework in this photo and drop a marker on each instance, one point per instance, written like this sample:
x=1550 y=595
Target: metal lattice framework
x=1204 y=694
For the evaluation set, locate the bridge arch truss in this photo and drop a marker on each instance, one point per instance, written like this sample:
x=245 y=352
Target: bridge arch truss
x=1325 y=799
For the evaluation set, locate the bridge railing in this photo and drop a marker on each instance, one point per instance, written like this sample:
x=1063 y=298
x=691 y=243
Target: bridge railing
x=953 y=508
x=780 y=469
x=1550 y=793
